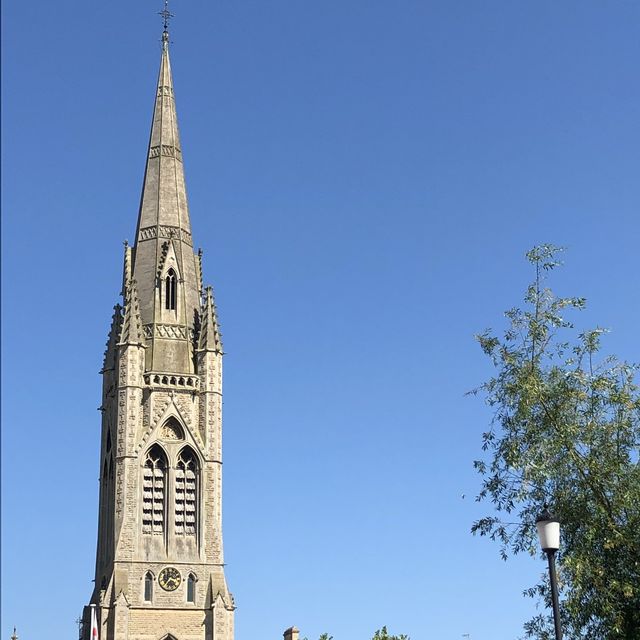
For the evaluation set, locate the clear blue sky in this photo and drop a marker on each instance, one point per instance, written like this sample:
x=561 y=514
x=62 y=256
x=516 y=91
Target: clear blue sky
x=364 y=178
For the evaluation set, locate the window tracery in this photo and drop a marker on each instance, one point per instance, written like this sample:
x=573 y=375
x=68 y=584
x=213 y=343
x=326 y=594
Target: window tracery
x=170 y=290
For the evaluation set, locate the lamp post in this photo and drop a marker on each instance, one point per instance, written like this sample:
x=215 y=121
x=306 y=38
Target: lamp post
x=548 y=527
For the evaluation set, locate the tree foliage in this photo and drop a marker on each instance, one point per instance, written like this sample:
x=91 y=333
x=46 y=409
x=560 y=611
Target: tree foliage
x=380 y=634
x=383 y=634
x=565 y=431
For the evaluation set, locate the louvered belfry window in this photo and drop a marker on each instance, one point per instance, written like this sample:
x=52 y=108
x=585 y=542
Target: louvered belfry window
x=186 y=493
x=154 y=492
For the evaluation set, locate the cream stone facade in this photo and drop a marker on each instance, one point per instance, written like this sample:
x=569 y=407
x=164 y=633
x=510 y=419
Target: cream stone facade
x=159 y=564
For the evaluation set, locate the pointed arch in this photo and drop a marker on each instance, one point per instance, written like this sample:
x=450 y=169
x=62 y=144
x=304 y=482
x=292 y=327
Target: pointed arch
x=154 y=487
x=171 y=429
x=170 y=287
x=186 y=495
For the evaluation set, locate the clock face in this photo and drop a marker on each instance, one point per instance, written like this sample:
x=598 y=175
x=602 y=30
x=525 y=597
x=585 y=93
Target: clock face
x=169 y=578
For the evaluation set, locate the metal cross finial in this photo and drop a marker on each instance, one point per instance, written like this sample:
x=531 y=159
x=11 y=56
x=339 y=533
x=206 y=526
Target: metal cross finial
x=166 y=15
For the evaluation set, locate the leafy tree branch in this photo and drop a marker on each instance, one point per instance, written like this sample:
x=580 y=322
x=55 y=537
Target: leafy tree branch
x=565 y=430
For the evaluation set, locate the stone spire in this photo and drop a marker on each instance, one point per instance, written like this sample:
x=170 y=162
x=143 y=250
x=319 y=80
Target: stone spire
x=14 y=636
x=210 y=336
x=160 y=569
x=163 y=247
x=164 y=196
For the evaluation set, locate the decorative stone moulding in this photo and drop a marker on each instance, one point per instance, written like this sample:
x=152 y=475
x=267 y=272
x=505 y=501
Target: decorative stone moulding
x=165 y=231
x=171 y=380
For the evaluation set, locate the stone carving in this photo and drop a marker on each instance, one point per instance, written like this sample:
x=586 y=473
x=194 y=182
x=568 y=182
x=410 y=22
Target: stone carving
x=167 y=331
x=164 y=90
x=167 y=150
x=165 y=231
x=122 y=421
x=186 y=408
x=119 y=490
x=170 y=431
x=122 y=381
x=134 y=406
x=159 y=403
x=171 y=331
x=170 y=380
x=146 y=409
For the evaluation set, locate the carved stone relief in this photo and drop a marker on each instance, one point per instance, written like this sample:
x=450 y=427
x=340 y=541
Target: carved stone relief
x=165 y=231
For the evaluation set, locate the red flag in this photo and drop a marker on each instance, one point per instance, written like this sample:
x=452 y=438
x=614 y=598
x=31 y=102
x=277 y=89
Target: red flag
x=94 y=623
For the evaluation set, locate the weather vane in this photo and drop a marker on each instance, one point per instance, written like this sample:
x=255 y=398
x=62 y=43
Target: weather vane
x=166 y=15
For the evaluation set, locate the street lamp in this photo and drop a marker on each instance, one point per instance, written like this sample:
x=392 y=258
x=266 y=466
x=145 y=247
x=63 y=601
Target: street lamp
x=548 y=527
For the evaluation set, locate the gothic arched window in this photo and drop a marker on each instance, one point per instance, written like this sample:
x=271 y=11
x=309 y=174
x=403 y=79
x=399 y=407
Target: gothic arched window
x=148 y=586
x=186 y=492
x=170 y=290
x=191 y=588
x=154 y=491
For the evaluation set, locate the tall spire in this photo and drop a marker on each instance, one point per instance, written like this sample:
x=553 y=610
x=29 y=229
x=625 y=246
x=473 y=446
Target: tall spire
x=164 y=195
x=163 y=245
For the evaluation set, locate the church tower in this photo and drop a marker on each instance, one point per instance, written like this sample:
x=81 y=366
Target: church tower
x=159 y=563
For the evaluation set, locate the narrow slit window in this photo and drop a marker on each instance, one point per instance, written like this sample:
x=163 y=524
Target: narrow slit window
x=191 y=588
x=111 y=500
x=153 y=492
x=186 y=493
x=170 y=290
x=148 y=587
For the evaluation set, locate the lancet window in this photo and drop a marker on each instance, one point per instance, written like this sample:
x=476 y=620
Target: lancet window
x=170 y=290
x=186 y=493
x=154 y=482
x=191 y=588
x=148 y=586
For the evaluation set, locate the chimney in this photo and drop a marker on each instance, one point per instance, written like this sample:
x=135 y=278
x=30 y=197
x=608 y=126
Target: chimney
x=291 y=634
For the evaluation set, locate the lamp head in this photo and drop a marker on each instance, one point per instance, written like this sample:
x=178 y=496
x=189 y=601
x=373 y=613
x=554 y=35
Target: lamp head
x=548 y=527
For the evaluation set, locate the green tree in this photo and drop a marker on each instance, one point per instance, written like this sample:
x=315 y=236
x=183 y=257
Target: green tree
x=383 y=634
x=380 y=634
x=565 y=431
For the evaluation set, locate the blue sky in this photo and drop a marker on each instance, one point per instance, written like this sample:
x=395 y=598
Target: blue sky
x=364 y=178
